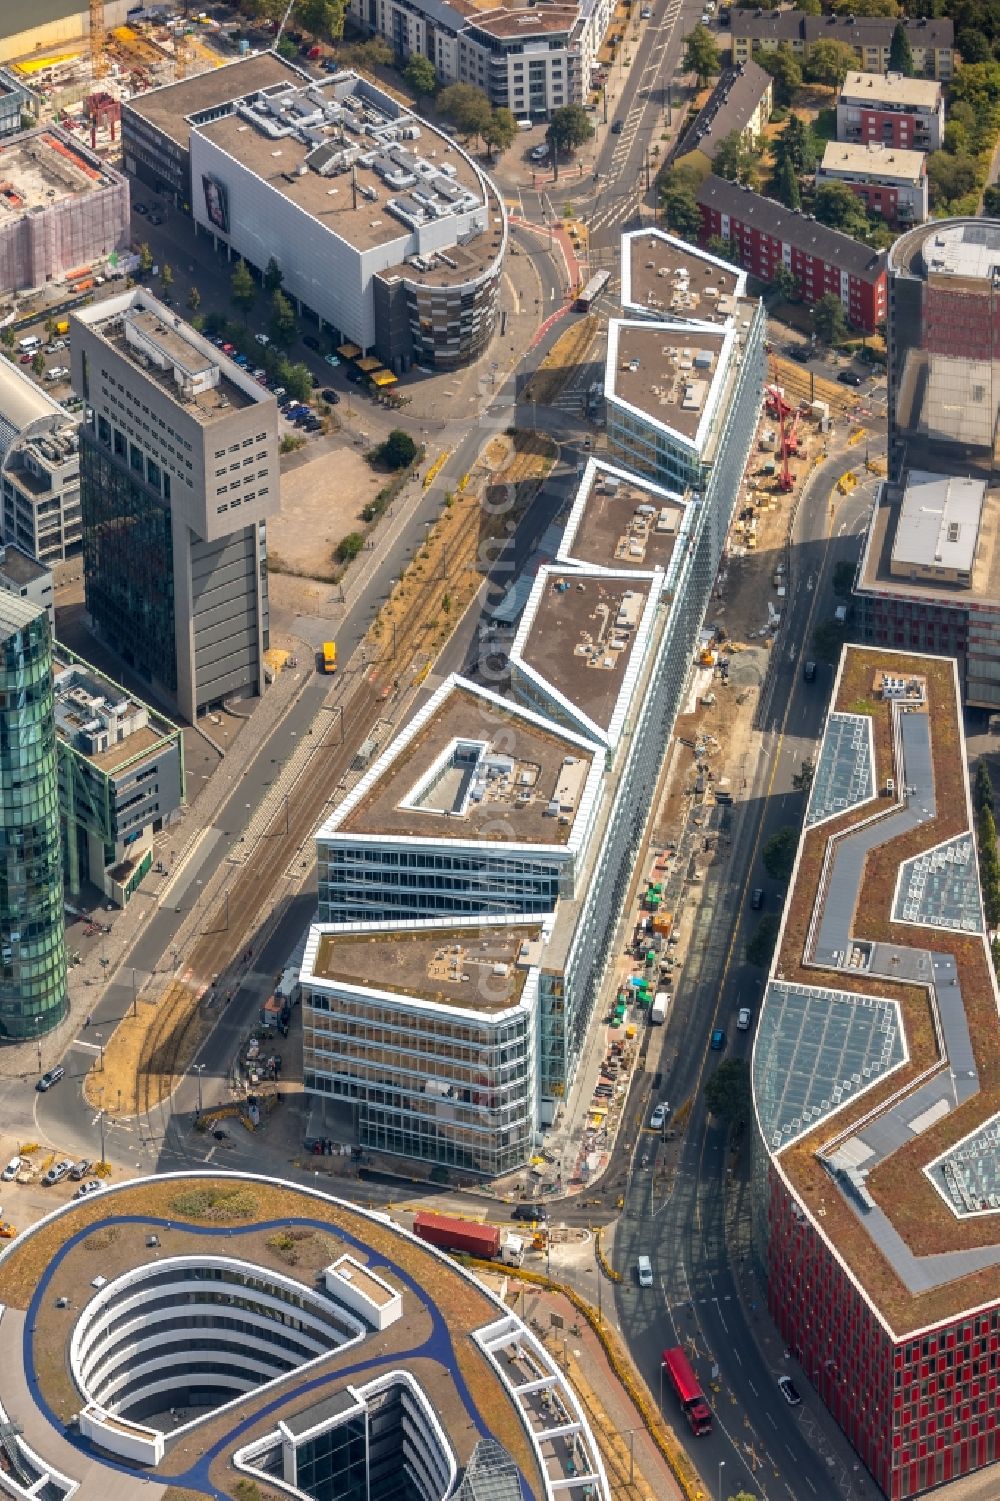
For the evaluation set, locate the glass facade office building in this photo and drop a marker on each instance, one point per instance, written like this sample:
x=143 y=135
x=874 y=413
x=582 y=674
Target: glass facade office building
x=33 y=996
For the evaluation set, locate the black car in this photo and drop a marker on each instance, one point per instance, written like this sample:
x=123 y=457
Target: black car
x=156 y=218
x=529 y=1212
x=618 y=127
x=310 y=341
x=52 y=1077
x=849 y=378
x=798 y=352
x=330 y=395
x=139 y=208
x=789 y=1391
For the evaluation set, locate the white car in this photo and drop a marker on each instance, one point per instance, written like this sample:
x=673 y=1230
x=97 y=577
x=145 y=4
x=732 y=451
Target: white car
x=644 y=1271
x=262 y=339
x=743 y=1019
x=92 y=1186
x=12 y=1169
x=658 y=1118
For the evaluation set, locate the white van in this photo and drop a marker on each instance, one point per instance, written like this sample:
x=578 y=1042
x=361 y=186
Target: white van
x=30 y=344
x=644 y=1267
x=525 y=124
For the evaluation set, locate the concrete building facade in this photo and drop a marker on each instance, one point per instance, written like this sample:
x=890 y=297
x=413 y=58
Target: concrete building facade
x=740 y=102
x=179 y=473
x=765 y=235
x=24 y=576
x=39 y=470
x=932 y=42
x=33 y=996
x=889 y=181
x=889 y=109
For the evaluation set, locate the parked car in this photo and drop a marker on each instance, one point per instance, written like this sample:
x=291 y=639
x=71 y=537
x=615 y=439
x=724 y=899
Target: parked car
x=139 y=208
x=718 y=1040
x=57 y=1172
x=332 y=359
x=262 y=339
x=539 y=153
x=229 y=349
x=644 y=1271
x=55 y=346
x=52 y=1077
x=789 y=1391
x=92 y=1186
x=658 y=1118
x=645 y=14
x=153 y=219
x=801 y=353
x=330 y=395
x=743 y=1019
x=310 y=341
x=849 y=378
x=26 y=359
x=617 y=127
x=80 y=1169
x=12 y=1169
x=529 y=1212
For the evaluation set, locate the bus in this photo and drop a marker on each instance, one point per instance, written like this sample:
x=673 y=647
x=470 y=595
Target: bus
x=685 y=1384
x=592 y=291
x=329 y=656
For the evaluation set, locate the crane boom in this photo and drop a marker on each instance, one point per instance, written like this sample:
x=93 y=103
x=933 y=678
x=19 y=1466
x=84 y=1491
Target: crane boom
x=284 y=21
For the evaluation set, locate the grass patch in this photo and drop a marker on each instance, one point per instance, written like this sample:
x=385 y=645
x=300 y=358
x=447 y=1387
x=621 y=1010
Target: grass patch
x=219 y=1205
x=861 y=706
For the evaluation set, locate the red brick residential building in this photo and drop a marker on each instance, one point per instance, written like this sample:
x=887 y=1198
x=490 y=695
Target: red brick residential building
x=766 y=235
x=889 y=181
x=890 y=110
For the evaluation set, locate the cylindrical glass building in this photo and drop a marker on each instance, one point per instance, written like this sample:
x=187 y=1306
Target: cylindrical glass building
x=32 y=936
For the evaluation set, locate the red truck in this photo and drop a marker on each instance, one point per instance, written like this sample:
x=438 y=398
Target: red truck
x=458 y=1235
x=685 y=1384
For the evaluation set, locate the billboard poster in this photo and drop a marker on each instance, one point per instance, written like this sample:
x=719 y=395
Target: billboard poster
x=216 y=202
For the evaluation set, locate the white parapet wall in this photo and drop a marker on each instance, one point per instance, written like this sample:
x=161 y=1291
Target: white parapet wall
x=353 y=1284
x=128 y=1440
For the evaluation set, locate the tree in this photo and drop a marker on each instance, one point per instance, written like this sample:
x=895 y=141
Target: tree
x=7 y=336
x=778 y=854
x=830 y=62
x=166 y=277
x=828 y=640
x=746 y=1495
x=950 y=177
x=322 y=18
x=680 y=209
x=786 y=71
x=785 y=284
x=974 y=47
x=760 y=945
x=797 y=145
x=991 y=201
x=836 y=205
x=38 y=364
x=956 y=138
x=421 y=75
x=734 y=159
x=242 y=288
x=727 y=1092
x=829 y=320
x=569 y=127
x=802 y=779
x=900 y=51
x=701 y=55
x=843 y=579
x=145 y=259
x=194 y=299
x=283 y=322
x=273 y=276
x=297 y=382
x=723 y=248
x=50 y=328
x=466 y=107
x=785 y=185
x=501 y=131
x=348 y=547
x=398 y=450
x=983 y=795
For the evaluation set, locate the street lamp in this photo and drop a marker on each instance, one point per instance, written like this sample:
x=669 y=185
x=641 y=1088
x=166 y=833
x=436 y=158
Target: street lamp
x=722 y=1466
x=38 y=1041
x=100 y=1044
x=199 y=1069
x=101 y=1093
x=135 y=996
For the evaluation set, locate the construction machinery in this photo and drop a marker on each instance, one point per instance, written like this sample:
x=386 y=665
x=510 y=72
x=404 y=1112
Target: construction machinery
x=98 y=57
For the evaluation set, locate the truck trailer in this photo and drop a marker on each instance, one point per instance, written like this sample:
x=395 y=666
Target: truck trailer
x=488 y=1242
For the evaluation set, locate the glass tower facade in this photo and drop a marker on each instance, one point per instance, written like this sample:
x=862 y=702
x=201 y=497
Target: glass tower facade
x=32 y=940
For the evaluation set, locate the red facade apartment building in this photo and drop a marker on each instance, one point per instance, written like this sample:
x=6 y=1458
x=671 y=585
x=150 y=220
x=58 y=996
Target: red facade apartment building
x=889 y=110
x=765 y=235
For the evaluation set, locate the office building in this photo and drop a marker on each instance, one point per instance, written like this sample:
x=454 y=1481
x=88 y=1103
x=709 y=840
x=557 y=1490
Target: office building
x=61 y=206
x=121 y=779
x=386 y=231
x=663 y=277
x=207 y=1346
x=28 y=579
x=524 y=814
x=39 y=470
x=33 y=996
x=179 y=473
x=26 y=27
x=876 y=1139
x=740 y=104
x=932 y=42
x=889 y=109
x=765 y=236
x=889 y=181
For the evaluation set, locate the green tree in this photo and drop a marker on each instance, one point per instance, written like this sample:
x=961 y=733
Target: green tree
x=974 y=47
x=778 y=853
x=747 y=1495
x=828 y=640
x=786 y=71
x=421 y=75
x=50 y=329
x=701 y=55
x=950 y=178
x=983 y=795
x=723 y=248
x=398 y=450
x=680 y=209
x=836 y=205
x=166 y=277
x=500 y=132
x=298 y=382
x=466 y=107
x=242 y=288
x=843 y=579
x=348 y=547
x=785 y=284
x=145 y=259
x=569 y=127
x=760 y=945
x=7 y=336
x=809 y=7
x=283 y=323
x=322 y=18
x=735 y=160
x=194 y=299
x=727 y=1092
x=797 y=145
x=991 y=201
x=830 y=62
x=785 y=185
x=956 y=138
x=273 y=276
x=829 y=320
x=802 y=779
x=38 y=364
x=900 y=51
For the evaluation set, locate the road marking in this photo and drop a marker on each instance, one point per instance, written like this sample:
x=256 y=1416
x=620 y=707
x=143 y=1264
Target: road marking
x=92 y=1047
x=752 y=1388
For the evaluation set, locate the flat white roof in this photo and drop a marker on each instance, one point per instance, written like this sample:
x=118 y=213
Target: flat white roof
x=873 y=159
x=892 y=87
x=21 y=400
x=939 y=521
x=970 y=248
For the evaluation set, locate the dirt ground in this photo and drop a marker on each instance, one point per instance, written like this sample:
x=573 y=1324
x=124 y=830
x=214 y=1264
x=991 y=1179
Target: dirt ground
x=321 y=501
